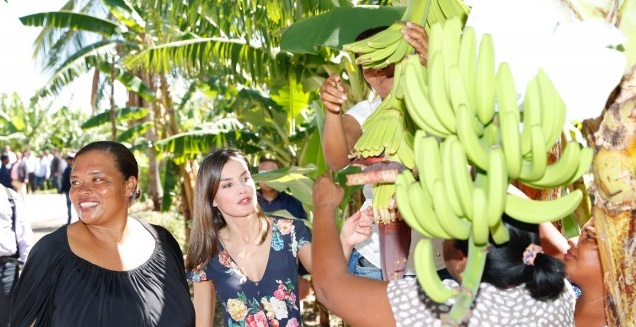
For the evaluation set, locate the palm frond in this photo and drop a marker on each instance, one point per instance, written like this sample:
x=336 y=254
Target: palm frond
x=120 y=114
x=72 y=71
x=198 y=57
x=74 y=21
x=189 y=145
x=128 y=79
x=126 y=14
x=135 y=131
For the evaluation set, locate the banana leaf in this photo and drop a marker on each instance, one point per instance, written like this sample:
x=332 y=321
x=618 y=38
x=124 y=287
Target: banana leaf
x=336 y=27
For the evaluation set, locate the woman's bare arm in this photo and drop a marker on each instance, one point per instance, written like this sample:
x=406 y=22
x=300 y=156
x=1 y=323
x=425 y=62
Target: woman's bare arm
x=204 y=303
x=359 y=301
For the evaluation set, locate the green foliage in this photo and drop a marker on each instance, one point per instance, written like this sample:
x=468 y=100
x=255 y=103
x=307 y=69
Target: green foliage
x=78 y=21
x=127 y=113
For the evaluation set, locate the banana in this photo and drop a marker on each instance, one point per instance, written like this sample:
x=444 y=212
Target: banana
x=587 y=154
x=437 y=92
x=435 y=37
x=485 y=80
x=481 y=229
x=497 y=185
x=574 y=162
x=459 y=96
x=457 y=93
x=475 y=151
x=466 y=62
x=379 y=40
x=427 y=274
x=448 y=172
x=552 y=109
x=404 y=153
x=425 y=215
x=452 y=32
x=499 y=233
x=505 y=90
x=448 y=10
x=535 y=212
x=457 y=227
x=427 y=160
x=402 y=185
x=462 y=182
x=416 y=98
x=535 y=168
x=378 y=58
x=531 y=115
x=510 y=142
x=402 y=49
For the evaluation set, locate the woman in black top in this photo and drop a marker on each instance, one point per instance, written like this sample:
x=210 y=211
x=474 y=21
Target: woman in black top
x=106 y=269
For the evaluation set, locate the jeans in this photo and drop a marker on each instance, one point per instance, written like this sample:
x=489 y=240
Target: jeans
x=8 y=280
x=358 y=267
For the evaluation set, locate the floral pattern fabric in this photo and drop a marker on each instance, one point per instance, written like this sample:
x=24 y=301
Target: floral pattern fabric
x=272 y=301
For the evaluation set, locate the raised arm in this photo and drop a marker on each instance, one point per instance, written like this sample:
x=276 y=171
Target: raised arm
x=341 y=131
x=357 y=300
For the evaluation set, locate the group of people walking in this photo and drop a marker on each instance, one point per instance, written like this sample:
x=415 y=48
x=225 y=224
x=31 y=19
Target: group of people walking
x=27 y=172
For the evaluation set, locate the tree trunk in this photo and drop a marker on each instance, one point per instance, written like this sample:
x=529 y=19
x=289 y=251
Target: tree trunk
x=191 y=167
x=614 y=210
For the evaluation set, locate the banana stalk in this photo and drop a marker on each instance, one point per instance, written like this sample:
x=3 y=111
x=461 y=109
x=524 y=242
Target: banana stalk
x=614 y=210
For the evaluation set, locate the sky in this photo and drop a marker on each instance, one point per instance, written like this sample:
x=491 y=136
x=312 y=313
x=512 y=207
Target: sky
x=18 y=70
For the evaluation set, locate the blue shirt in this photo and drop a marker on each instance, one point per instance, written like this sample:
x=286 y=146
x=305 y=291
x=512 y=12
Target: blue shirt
x=283 y=201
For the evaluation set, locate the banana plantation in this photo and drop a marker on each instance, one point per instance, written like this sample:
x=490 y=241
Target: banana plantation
x=200 y=75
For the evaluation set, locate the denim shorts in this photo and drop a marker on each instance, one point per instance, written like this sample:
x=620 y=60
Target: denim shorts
x=360 y=266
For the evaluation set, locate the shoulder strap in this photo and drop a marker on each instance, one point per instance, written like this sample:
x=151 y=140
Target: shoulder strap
x=12 y=203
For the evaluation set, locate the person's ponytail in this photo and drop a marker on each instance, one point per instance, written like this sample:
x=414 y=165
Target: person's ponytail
x=547 y=279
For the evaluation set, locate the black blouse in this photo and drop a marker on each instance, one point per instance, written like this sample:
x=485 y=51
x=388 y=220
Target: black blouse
x=58 y=288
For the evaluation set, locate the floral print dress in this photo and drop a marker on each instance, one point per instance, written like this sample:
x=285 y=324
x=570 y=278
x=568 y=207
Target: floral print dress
x=272 y=301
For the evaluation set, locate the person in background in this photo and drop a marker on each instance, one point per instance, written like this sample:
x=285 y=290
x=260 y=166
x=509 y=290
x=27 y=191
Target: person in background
x=107 y=269
x=42 y=171
x=31 y=162
x=19 y=176
x=345 y=128
x=66 y=186
x=12 y=155
x=5 y=175
x=270 y=200
x=16 y=240
x=520 y=286
x=247 y=259
x=56 y=171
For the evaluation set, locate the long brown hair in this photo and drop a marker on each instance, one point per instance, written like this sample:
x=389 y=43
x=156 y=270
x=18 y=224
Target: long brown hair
x=207 y=220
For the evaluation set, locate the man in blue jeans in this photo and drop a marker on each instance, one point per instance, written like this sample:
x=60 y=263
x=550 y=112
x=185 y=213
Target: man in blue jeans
x=16 y=240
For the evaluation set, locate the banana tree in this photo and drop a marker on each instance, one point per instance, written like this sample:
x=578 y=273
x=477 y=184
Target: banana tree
x=614 y=136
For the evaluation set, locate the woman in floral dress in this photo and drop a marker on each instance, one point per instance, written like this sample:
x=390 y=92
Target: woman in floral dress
x=248 y=260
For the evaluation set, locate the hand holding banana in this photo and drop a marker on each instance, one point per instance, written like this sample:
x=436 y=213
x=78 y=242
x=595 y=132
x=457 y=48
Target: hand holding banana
x=333 y=93
x=416 y=36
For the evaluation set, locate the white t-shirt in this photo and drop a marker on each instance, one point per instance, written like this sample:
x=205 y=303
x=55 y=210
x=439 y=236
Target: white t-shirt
x=370 y=248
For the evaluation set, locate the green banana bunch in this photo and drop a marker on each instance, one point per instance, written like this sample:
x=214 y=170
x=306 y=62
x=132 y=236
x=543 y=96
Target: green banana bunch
x=389 y=46
x=467 y=113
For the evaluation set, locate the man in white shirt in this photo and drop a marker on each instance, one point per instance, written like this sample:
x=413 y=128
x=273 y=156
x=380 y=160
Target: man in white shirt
x=16 y=240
